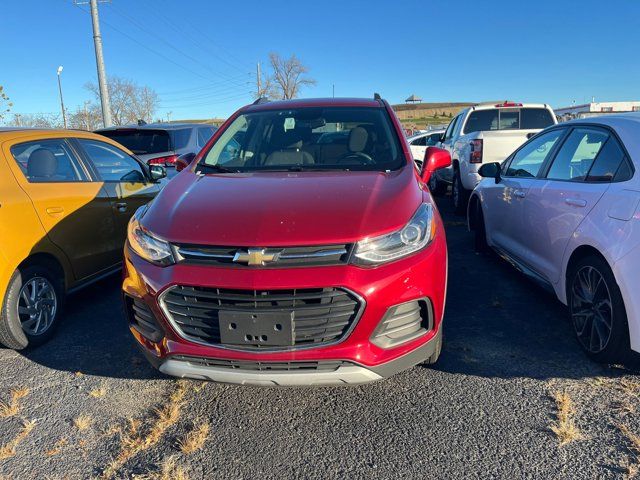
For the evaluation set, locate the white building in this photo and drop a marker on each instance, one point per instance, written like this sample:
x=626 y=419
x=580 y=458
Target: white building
x=595 y=108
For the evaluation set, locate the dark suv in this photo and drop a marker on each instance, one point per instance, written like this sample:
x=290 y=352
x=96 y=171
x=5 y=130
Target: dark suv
x=161 y=143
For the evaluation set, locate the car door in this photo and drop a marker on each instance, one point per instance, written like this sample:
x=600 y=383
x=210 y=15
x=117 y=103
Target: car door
x=125 y=180
x=504 y=201
x=418 y=148
x=557 y=204
x=74 y=208
x=447 y=140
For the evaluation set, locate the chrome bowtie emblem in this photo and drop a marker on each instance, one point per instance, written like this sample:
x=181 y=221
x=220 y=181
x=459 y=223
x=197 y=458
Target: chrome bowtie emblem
x=257 y=256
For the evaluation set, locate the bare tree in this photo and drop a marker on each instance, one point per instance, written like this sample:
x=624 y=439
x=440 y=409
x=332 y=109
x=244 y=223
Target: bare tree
x=129 y=101
x=289 y=76
x=5 y=103
x=87 y=117
x=38 y=120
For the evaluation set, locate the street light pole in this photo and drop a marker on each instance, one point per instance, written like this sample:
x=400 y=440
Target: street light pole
x=64 y=113
x=102 y=76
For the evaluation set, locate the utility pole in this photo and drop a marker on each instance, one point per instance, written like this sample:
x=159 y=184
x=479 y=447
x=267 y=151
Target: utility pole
x=102 y=75
x=64 y=113
x=334 y=90
x=258 y=81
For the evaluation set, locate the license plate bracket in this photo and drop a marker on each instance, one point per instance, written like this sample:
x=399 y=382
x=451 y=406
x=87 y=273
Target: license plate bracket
x=258 y=329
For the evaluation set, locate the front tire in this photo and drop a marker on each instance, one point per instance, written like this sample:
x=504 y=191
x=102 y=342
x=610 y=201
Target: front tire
x=437 y=187
x=597 y=311
x=31 y=307
x=459 y=194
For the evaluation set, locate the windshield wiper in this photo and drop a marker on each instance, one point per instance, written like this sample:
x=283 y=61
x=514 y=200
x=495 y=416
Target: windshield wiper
x=305 y=168
x=218 y=168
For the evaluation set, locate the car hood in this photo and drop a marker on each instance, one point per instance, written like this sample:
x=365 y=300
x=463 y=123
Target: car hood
x=283 y=209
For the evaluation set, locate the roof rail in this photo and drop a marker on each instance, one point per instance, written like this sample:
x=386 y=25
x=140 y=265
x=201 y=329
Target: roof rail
x=376 y=96
x=260 y=101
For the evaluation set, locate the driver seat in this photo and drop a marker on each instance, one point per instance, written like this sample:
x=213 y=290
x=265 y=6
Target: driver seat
x=358 y=138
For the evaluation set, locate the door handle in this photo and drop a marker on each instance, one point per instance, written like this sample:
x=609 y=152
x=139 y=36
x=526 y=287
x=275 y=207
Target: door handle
x=519 y=193
x=121 y=206
x=55 y=211
x=576 y=202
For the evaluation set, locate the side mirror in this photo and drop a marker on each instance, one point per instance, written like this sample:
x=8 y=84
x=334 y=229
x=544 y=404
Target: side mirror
x=490 y=170
x=434 y=159
x=157 y=172
x=184 y=161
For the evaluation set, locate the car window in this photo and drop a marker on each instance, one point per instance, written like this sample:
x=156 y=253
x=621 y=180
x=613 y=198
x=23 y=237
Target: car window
x=180 y=137
x=48 y=161
x=419 y=142
x=527 y=161
x=577 y=154
x=433 y=139
x=204 y=134
x=609 y=163
x=113 y=164
x=337 y=138
x=140 y=141
x=450 y=128
x=508 y=119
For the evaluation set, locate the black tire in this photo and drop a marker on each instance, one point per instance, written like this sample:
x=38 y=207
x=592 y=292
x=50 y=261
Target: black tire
x=480 y=232
x=12 y=333
x=436 y=353
x=591 y=311
x=459 y=195
x=436 y=187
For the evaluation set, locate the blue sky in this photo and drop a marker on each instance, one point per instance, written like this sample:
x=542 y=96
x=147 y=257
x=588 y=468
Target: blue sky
x=200 y=56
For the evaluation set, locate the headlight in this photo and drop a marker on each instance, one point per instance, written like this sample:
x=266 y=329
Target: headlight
x=146 y=245
x=414 y=236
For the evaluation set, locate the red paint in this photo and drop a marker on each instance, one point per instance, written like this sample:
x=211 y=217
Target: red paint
x=296 y=208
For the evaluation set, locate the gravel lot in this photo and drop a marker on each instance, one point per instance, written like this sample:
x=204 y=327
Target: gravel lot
x=485 y=411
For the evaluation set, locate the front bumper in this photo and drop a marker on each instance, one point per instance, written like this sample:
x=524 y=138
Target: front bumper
x=347 y=374
x=420 y=276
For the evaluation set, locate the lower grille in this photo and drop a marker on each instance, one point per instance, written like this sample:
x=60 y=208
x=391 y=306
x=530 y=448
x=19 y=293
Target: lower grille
x=320 y=366
x=313 y=317
x=142 y=319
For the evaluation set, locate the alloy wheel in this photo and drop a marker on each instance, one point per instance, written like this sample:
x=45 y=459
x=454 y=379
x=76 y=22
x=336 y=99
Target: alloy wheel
x=37 y=305
x=591 y=309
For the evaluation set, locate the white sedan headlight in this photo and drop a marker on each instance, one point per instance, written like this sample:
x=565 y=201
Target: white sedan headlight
x=414 y=236
x=148 y=246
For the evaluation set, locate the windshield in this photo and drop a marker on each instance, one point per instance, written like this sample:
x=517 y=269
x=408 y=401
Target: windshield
x=508 y=119
x=141 y=142
x=313 y=138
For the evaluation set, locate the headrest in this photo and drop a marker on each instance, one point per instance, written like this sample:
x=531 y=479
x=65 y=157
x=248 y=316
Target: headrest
x=42 y=163
x=357 y=139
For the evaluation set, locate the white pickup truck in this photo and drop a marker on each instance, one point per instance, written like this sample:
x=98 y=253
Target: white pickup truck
x=488 y=133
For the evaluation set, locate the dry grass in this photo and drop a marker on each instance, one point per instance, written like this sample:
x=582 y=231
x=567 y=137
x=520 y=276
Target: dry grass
x=565 y=427
x=98 y=392
x=194 y=440
x=9 y=450
x=83 y=422
x=169 y=470
x=633 y=443
x=11 y=408
x=136 y=438
x=57 y=447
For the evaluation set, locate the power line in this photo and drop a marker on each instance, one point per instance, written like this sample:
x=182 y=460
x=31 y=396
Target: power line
x=220 y=100
x=170 y=44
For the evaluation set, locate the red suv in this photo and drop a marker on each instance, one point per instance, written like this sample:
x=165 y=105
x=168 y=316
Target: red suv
x=300 y=246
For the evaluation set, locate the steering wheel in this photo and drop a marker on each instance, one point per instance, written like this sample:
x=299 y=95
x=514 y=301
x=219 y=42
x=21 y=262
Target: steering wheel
x=363 y=157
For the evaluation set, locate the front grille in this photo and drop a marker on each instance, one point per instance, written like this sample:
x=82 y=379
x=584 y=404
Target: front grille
x=321 y=366
x=318 y=316
x=142 y=319
x=285 y=256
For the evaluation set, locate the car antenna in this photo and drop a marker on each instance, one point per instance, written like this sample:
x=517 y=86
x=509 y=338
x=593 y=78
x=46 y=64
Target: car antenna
x=261 y=100
x=141 y=122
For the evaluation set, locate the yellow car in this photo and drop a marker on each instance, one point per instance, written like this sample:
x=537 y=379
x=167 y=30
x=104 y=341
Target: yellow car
x=65 y=200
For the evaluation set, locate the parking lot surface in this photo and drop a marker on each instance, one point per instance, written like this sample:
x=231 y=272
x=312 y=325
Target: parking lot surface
x=510 y=387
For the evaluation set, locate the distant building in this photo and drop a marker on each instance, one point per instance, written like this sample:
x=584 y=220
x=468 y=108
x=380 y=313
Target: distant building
x=413 y=99
x=595 y=108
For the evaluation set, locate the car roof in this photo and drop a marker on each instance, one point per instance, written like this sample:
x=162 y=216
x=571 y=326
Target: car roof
x=424 y=134
x=155 y=126
x=18 y=135
x=313 y=102
x=494 y=105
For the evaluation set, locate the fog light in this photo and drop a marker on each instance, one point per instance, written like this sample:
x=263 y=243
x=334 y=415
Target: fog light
x=403 y=323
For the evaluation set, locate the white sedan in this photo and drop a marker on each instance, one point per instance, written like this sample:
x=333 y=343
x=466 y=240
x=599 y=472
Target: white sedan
x=565 y=209
x=418 y=145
